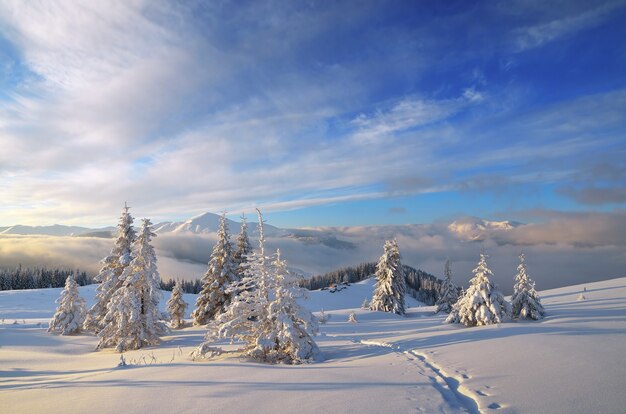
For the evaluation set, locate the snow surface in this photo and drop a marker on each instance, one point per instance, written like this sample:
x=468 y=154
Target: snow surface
x=570 y=362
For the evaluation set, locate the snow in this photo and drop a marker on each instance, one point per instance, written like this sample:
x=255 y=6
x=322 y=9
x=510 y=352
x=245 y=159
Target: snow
x=570 y=362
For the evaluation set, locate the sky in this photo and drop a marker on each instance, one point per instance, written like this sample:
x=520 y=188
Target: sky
x=320 y=113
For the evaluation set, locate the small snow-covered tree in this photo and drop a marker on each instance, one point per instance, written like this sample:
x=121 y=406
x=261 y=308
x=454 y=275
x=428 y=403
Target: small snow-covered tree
x=365 y=304
x=133 y=318
x=111 y=272
x=70 y=314
x=221 y=273
x=391 y=284
x=244 y=248
x=322 y=318
x=482 y=303
x=525 y=302
x=449 y=293
x=352 y=317
x=264 y=314
x=176 y=306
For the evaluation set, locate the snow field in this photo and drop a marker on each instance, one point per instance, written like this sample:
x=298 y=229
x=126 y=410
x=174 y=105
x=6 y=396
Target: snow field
x=570 y=362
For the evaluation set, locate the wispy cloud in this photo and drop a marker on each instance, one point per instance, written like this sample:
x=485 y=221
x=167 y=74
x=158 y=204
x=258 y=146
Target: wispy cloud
x=540 y=34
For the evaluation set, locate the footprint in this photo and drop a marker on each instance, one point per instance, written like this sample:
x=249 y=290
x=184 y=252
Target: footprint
x=482 y=394
x=494 y=406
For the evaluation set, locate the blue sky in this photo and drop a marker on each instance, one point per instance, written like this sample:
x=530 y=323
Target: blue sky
x=321 y=113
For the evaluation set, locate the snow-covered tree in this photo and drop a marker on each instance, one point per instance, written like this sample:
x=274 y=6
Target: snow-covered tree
x=482 y=303
x=525 y=302
x=70 y=314
x=111 y=272
x=352 y=317
x=176 y=306
x=244 y=248
x=391 y=284
x=133 y=318
x=264 y=314
x=322 y=318
x=221 y=273
x=365 y=304
x=286 y=333
x=449 y=293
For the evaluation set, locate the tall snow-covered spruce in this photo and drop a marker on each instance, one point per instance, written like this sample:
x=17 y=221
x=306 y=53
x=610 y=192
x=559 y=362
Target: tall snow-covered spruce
x=244 y=248
x=482 y=303
x=221 y=273
x=133 y=318
x=176 y=306
x=525 y=302
x=70 y=314
x=391 y=284
x=264 y=314
x=111 y=272
x=449 y=293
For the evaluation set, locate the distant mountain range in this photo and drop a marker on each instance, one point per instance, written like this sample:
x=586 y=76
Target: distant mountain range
x=466 y=229
x=55 y=230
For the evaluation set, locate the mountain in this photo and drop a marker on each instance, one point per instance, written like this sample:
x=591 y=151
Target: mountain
x=209 y=223
x=477 y=229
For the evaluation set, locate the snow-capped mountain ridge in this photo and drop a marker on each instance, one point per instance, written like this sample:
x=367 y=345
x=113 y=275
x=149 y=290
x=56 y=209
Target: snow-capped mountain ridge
x=476 y=229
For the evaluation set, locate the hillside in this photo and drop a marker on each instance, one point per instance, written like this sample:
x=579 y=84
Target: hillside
x=568 y=363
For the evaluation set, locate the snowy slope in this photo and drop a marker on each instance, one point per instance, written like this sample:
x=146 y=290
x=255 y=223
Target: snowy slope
x=572 y=362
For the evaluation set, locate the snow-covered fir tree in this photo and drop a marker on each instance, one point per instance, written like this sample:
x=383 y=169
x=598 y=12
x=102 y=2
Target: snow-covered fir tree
x=482 y=303
x=365 y=304
x=525 y=302
x=111 y=272
x=176 y=306
x=264 y=314
x=70 y=314
x=244 y=248
x=221 y=273
x=133 y=318
x=449 y=293
x=391 y=284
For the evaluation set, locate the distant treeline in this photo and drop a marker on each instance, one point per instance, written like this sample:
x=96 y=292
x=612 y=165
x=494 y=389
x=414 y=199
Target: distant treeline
x=189 y=286
x=421 y=285
x=39 y=277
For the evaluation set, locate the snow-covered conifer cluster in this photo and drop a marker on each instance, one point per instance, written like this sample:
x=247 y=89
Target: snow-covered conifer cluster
x=222 y=271
x=525 y=302
x=391 y=284
x=264 y=315
x=449 y=293
x=482 y=303
x=133 y=318
x=176 y=307
x=70 y=314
